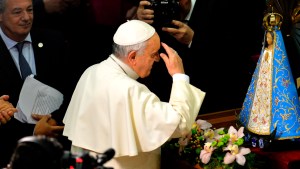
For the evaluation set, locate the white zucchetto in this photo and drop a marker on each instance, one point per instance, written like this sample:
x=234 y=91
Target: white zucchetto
x=133 y=32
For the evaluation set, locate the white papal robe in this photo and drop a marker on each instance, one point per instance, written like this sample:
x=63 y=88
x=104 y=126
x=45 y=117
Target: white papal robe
x=110 y=109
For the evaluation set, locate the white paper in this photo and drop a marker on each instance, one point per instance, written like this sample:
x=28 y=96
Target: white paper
x=37 y=98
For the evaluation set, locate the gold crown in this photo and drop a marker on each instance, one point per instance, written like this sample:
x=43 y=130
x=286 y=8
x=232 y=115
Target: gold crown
x=272 y=21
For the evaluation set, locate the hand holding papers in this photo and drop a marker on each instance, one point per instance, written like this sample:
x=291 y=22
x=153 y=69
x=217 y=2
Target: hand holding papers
x=37 y=98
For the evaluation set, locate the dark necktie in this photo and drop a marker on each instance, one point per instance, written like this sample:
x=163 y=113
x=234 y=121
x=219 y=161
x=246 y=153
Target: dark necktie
x=24 y=66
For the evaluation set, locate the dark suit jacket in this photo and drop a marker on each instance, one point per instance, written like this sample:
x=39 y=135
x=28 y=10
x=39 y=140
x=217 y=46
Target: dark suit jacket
x=159 y=81
x=51 y=69
x=217 y=61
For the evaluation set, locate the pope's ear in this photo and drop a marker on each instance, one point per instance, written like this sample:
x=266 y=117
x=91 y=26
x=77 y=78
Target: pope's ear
x=132 y=57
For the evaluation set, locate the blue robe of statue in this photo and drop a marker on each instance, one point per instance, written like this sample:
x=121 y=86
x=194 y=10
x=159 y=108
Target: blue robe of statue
x=272 y=100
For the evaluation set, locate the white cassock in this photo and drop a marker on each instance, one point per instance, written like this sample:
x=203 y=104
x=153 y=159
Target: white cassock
x=110 y=109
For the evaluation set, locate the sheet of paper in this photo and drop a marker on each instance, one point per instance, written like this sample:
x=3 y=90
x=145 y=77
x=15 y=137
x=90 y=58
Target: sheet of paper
x=37 y=98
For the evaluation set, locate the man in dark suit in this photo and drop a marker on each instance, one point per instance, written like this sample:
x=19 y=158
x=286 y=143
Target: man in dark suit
x=214 y=46
x=177 y=34
x=45 y=52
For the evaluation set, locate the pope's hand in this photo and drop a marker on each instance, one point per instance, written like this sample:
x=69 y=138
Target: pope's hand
x=172 y=60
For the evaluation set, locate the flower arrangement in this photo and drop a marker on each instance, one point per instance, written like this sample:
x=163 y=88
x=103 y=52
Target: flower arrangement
x=214 y=148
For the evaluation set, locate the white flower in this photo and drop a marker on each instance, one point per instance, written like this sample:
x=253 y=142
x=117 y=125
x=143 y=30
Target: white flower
x=183 y=141
x=237 y=154
x=206 y=152
x=234 y=134
x=202 y=124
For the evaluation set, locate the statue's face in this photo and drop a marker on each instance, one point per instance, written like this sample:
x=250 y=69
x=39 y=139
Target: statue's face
x=269 y=38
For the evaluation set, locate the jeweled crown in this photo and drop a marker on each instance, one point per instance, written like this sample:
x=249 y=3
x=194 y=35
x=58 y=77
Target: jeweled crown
x=272 y=21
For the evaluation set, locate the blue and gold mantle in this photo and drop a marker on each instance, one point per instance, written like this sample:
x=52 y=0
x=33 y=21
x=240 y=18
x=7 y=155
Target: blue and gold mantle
x=272 y=100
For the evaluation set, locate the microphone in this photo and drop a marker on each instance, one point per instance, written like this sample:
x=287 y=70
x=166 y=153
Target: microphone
x=106 y=156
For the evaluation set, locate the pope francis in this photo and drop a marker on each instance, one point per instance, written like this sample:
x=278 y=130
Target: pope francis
x=110 y=109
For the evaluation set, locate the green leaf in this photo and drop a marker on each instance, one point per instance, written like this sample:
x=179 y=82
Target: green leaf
x=198 y=150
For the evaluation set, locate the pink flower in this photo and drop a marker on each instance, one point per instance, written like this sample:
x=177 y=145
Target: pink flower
x=202 y=124
x=234 y=134
x=211 y=135
x=206 y=152
x=183 y=142
x=237 y=154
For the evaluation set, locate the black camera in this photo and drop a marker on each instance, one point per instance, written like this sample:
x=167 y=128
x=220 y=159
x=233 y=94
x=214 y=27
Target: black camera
x=37 y=152
x=164 y=12
x=87 y=160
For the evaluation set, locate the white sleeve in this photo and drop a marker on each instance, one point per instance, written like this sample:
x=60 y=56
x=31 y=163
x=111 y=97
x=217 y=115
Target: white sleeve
x=185 y=100
x=179 y=76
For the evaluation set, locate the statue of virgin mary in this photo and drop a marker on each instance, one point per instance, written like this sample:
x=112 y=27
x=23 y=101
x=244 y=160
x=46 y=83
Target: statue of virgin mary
x=271 y=103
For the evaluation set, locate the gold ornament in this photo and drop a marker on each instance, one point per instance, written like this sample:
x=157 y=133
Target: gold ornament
x=272 y=21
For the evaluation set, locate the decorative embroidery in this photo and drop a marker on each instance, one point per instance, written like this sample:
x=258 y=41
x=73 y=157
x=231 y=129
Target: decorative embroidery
x=272 y=100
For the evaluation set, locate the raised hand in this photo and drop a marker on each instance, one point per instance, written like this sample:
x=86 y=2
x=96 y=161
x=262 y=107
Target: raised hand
x=172 y=60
